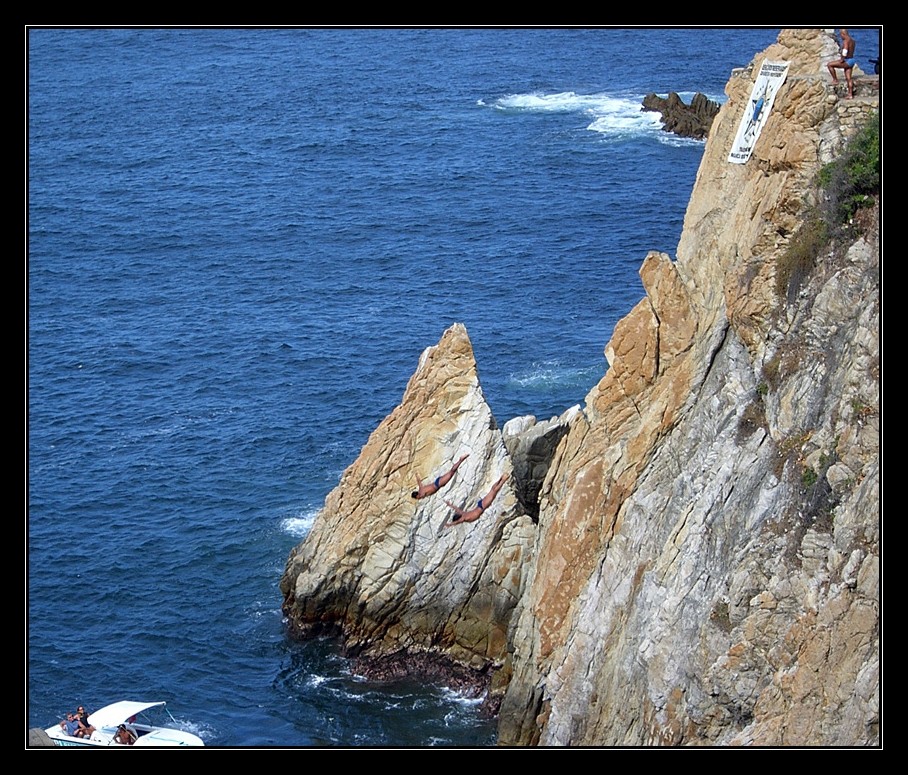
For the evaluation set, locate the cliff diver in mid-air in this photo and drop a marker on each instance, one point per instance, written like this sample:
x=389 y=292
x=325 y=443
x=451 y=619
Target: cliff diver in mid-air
x=471 y=515
x=425 y=490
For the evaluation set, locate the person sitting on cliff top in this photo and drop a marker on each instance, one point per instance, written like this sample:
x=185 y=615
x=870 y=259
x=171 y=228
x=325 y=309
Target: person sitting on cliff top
x=845 y=62
x=471 y=515
x=425 y=490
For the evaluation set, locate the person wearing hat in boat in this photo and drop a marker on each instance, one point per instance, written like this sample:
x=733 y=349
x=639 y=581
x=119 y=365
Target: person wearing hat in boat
x=124 y=736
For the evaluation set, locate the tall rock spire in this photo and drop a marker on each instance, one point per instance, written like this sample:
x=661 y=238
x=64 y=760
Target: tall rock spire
x=380 y=566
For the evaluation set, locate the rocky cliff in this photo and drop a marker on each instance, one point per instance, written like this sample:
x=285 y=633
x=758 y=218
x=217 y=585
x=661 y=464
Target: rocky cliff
x=692 y=120
x=692 y=557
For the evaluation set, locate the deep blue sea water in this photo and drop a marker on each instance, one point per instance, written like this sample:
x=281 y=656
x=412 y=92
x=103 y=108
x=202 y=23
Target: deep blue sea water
x=239 y=243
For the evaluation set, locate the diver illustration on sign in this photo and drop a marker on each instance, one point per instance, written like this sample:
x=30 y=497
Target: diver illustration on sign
x=757 y=115
x=756 y=110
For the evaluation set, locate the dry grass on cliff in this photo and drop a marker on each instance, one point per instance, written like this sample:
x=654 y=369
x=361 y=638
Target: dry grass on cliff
x=794 y=266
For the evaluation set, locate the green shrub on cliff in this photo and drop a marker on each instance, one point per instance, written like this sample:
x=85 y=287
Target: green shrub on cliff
x=846 y=185
x=851 y=181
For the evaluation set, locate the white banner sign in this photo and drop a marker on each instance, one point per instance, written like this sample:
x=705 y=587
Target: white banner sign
x=769 y=81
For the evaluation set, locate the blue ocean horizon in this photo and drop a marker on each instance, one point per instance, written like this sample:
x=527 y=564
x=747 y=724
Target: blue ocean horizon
x=240 y=241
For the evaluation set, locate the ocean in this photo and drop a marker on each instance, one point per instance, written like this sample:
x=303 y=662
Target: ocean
x=239 y=243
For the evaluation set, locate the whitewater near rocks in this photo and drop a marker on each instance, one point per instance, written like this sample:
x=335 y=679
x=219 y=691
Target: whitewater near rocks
x=668 y=578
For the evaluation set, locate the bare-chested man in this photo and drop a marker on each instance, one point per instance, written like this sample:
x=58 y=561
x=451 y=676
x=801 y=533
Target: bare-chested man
x=845 y=62
x=471 y=515
x=425 y=490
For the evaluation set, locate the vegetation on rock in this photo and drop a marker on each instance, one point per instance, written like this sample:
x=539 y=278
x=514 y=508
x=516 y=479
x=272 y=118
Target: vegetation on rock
x=853 y=180
x=846 y=185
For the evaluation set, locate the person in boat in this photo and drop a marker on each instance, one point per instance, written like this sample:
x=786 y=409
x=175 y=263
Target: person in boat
x=845 y=62
x=471 y=515
x=425 y=490
x=70 y=724
x=124 y=736
x=84 y=729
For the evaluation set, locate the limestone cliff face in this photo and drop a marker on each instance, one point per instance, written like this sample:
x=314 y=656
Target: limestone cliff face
x=381 y=567
x=703 y=573
x=693 y=557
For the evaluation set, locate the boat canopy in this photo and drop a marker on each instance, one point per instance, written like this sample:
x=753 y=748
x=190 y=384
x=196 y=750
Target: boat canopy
x=119 y=712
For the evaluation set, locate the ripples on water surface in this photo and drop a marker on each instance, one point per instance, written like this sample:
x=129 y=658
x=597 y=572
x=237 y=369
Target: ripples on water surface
x=240 y=241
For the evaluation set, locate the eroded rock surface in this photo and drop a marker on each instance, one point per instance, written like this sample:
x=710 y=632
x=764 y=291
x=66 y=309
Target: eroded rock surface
x=381 y=568
x=679 y=118
x=692 y=557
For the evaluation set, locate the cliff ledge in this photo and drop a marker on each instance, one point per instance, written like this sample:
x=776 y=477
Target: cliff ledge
x=693 y=556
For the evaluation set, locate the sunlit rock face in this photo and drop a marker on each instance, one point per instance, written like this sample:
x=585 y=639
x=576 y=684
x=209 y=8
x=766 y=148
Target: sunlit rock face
x=692 y=556
x=705 y=573
x=381 y=567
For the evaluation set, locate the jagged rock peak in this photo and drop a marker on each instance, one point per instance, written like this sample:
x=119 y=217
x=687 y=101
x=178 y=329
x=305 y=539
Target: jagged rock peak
x=381 y=566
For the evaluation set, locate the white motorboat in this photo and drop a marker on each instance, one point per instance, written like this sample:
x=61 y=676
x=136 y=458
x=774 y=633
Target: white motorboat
x=137 y=719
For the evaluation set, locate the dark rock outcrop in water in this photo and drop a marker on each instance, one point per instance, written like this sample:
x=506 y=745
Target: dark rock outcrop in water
x=692 y=120
x=691 y=558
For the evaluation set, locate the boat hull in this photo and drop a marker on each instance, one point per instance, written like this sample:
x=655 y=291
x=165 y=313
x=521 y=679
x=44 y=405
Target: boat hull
x=110 y=718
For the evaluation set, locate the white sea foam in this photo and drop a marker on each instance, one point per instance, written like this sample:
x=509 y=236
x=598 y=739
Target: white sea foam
x=299 y=525
x=201 y=730
x=676 y=141
x=463 y=701
x=562 y=102
x=613 y=116
x=549 y=374
x=622 y=123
